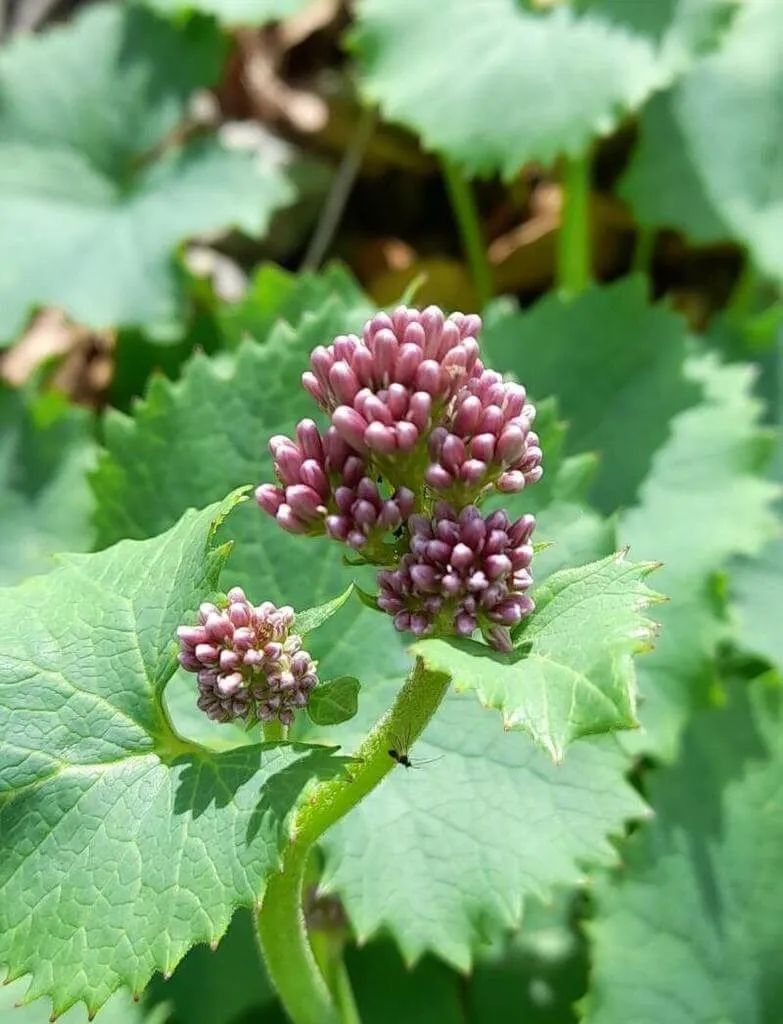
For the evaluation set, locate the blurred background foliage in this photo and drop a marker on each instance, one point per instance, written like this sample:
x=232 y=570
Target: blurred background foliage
x=193 y=194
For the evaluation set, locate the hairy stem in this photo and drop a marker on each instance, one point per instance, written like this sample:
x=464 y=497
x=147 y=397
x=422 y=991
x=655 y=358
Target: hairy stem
x=573 y=256
x=282 y=935
x=281 y=925
x=464 y=205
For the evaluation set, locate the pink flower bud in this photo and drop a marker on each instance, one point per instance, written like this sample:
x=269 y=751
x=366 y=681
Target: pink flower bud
x=269 y=498
x=350 y=426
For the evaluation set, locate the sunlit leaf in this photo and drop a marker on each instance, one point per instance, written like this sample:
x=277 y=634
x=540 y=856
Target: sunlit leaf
x=455 y=847
x=100 y=799
x=90 y=164
x=573 y=674
x=494 y=85
x=684 y=516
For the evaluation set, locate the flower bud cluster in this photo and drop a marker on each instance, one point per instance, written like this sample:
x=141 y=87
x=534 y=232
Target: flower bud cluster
x=420 y=432
x=249 y=664
x=325 y=488
x=463 y=572
x=383 y=390
x=486 y=440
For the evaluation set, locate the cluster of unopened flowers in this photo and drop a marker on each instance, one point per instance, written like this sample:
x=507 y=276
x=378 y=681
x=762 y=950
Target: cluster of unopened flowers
x=249 y=664
x=420 y=433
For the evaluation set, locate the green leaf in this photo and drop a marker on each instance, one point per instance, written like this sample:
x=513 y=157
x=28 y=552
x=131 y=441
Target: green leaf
x=191 y=441
x=478 y=86
x=680 y=29
x=615 y=364
x=757 y=588
x=573 y=674
x=100 y=801
x=702 y=504
x=233 y=12
x=312 y=618
x=662 y=183
x=46 y=450
x=216 y=987
x=120 y=1009
x=690 y=931
x=275 y=294
x=89 y=164
x=334 y=701
x=728 y=109
x=455 y=848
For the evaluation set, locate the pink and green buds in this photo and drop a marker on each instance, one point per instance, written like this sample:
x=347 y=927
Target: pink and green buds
x=420 y=434
x=249 y=665
x=463 y=572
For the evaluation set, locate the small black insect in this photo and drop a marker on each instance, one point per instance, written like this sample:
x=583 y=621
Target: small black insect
x=400 y=757
x=399 y=753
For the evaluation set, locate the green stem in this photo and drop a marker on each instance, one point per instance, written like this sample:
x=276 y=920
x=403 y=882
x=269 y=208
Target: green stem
x=284 y=943
x=343 y=993
x=740 y=304
x=574 y=242
x=281 y=926
x=644 y=249
x=328 y=951
x=464 y=205
x=274 y=731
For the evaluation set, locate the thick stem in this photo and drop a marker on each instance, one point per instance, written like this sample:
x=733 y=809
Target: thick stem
x=282 y=935
x=574 y=242
x=464 y=205
x=281 y=926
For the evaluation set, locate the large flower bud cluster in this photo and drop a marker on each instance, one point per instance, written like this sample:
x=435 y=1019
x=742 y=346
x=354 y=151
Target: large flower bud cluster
x=463 y=572
x=420 y=432
x=325 y=488
x=384 y=390
x=249 y=665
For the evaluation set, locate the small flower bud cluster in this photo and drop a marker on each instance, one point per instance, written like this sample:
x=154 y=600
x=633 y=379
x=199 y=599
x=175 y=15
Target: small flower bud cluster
x=419 y=430
x=249 y=665
x=486 y=440
x=326 y=489
x=463 y=572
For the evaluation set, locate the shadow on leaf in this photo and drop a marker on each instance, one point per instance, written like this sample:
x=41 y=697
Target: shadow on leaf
x=263 y=782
